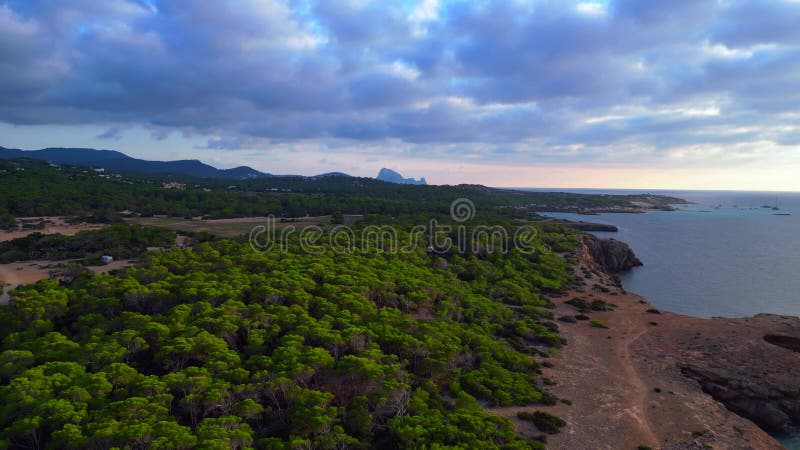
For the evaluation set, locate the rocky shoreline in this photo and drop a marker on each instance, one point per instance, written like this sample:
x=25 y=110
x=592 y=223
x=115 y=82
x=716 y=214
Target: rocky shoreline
x=749 y=364
x=653 y=379
x=583 y=226
x=640 y=204
x=585 y=211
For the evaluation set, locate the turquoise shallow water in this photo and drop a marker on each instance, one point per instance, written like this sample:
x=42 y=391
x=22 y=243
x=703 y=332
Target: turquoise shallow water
x=725 y=255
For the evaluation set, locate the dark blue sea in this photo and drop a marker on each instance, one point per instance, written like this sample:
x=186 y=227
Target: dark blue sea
x=724 y=255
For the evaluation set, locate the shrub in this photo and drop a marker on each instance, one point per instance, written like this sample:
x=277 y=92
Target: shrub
x=599 y=305
x=597 y=324
x=582 y=317
x=548 y=399
x=579 y=303
x=653 y=311
x=552 y=326
x=568 y=319
x=545 y=422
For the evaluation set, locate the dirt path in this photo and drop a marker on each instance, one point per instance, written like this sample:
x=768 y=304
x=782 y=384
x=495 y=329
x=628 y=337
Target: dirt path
x=638 y=409
x=623 y=391
x=595 y=372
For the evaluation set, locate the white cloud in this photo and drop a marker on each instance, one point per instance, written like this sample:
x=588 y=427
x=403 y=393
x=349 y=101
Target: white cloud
x=592 y=8
x=425 y=11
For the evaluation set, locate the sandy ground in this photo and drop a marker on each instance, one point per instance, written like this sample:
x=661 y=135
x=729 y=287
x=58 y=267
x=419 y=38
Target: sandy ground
x=611 y=377
x=27 y=272
x=53 y=225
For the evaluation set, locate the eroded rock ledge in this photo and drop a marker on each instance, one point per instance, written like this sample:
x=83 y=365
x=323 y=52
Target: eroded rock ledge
x=610 y=255
x=750 y=366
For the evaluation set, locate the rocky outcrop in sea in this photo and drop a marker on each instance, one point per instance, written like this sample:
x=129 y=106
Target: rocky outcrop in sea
x=611 y=255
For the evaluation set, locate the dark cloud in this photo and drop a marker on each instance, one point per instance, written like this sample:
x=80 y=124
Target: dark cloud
x=113 y=133
x=505 y=79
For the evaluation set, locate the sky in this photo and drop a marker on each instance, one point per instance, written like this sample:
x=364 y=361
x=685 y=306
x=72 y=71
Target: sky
x=619 y=94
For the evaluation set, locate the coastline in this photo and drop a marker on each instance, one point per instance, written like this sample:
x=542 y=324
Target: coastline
x=664 y=380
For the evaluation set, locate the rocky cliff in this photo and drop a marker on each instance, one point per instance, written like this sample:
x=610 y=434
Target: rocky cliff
x=611 y=255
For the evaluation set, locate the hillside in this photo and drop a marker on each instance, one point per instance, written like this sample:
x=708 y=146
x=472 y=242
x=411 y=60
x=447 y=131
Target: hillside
x=33 y=188
x=120 y=162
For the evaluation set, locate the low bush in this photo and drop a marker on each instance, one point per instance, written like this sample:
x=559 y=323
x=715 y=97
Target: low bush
x=579 y=303
x=545 y=422
x=597 y=323
x=599 y=305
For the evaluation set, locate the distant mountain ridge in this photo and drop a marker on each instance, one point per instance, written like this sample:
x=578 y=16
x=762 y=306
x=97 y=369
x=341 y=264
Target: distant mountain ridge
x=118 y=161
x=391 y=176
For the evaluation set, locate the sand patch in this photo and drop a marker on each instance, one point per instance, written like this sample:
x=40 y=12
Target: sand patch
x=27 y=272
x=52 y=225
x=24 y=272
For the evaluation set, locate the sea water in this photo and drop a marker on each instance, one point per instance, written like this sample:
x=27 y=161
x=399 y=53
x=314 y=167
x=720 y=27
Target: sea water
x=726 y=254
